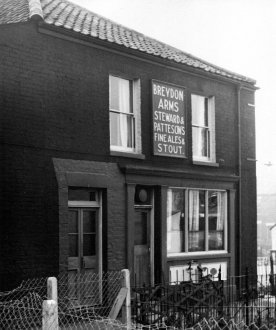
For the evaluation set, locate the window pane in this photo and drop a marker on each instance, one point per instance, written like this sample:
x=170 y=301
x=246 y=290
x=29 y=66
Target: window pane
x=73 y=221
x=115 y=136
x=130 y=132
x=212 y=202
x=89 y=221
x=199 y=110
x=89 y=245
x=216 y=241
x=201 y=142
x=78 y=194
x=175 y=220
x=73 y=245
x=121 y=130
x=120 y=98
x=217 y=214
x=196 y=220
x=196 y=241
x=213 y=223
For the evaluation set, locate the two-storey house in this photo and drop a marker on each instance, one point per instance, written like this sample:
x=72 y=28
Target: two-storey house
x=119 y=151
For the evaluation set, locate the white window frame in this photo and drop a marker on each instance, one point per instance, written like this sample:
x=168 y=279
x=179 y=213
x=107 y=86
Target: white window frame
x=211 y=132
x=97 y=204
x=186 y=225
x=135 y=99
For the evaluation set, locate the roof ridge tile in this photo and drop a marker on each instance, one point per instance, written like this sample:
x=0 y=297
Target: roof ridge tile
x=35 y=9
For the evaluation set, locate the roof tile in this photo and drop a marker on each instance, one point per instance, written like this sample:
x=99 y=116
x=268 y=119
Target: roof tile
x=8 y=14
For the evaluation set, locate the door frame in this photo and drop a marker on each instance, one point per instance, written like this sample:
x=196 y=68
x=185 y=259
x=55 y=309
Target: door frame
x=98 y=206
x=150 y=210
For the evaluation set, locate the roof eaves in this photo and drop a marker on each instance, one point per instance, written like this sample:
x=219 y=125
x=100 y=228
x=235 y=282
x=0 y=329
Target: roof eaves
x=195 y=61
x=70 y=34
x=148 y=45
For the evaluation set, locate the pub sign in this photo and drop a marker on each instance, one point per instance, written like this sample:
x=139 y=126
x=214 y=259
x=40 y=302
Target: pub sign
x=168 y=120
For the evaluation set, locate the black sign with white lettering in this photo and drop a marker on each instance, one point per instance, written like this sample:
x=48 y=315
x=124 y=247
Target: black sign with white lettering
x=168 y=120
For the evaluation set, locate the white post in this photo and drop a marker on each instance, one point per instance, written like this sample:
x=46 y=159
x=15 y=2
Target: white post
x=52 y=293
x=126 y=308
x=49 y=315
x=50 y=306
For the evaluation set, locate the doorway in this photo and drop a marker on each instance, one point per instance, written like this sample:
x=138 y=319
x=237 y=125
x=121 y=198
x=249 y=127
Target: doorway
x=143 y=246
x=84 y=252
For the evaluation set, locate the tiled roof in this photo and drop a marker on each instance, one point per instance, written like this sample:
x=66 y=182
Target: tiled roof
x=14 y=11
x=65 y=14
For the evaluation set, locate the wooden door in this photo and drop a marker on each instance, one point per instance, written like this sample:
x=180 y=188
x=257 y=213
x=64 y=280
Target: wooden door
x=142 y=247
x=84 y=255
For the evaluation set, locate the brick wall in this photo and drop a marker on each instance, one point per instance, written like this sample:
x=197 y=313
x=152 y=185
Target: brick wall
x=54 y=104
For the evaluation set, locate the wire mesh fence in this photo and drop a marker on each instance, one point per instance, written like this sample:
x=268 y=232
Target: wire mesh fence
x=223 y=324
x=21 y=308
x=85 y=301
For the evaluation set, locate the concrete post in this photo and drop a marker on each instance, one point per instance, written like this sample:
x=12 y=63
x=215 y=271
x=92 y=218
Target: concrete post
x=126 y=308
x=49 y=315
x=52 y=293
x=50 y=306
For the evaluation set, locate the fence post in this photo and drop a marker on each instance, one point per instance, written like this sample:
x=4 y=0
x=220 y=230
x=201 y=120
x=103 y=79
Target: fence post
x=49 y=315
x=272 y=279
x=52 y=293
x=221 y=294
x=126 y=308
x=247 y=296
x=50 y=306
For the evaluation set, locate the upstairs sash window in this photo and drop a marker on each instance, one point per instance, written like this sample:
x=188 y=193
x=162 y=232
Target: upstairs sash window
x=203 y=128
x=122 y=117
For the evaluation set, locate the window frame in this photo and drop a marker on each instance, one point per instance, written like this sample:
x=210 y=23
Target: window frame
x=186 y=251
x=134 y=114
x=210 y=129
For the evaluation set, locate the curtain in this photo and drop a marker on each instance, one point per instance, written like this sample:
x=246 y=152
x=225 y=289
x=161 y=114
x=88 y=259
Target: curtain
x=193 y=210
x=169 y=219
x=198 y=110
x=200 y=120
x=124 y=101
x=169 y=209
x=220 y=210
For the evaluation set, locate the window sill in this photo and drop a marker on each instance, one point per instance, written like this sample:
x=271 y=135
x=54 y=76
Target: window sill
x=127 y=154
x=204 y=163
x=214 y=254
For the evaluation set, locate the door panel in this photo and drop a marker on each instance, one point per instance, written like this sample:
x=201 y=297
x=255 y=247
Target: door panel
x=142 y=240
x=73 y=240
x=89 y=235
x=83 y=255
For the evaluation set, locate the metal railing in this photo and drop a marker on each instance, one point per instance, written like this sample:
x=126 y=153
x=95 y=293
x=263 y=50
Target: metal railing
x=243 y=299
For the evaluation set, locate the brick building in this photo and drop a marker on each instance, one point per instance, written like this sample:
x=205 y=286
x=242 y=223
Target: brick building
x=119 y=151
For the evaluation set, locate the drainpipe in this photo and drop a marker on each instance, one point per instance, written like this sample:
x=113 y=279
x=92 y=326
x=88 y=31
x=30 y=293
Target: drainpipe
x=240 y=174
